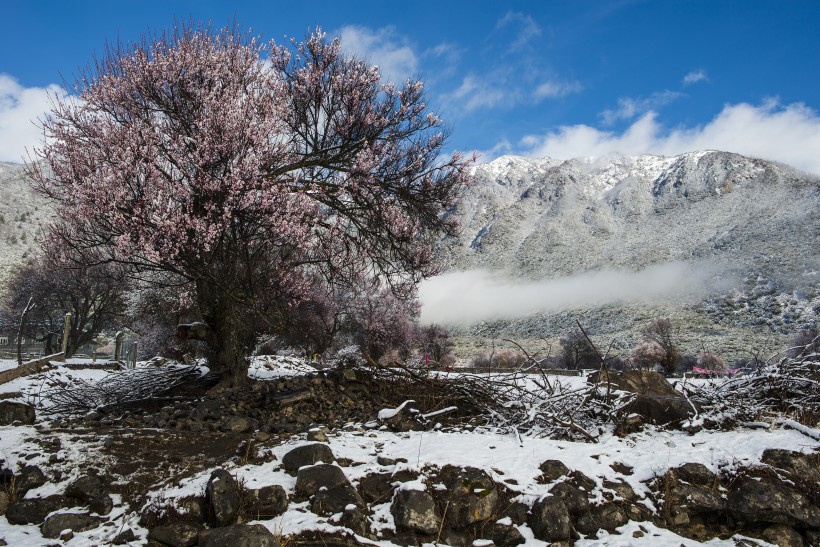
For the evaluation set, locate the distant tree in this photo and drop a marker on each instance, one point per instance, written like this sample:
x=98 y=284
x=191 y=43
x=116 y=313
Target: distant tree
x=155 y=311
x=710 y=361
x=577 y=352
x=246 y=170
x=436 y=341
x=381 y=322
x=95 y=297
x=647 y=355
x=806 y=342
x=661 y=332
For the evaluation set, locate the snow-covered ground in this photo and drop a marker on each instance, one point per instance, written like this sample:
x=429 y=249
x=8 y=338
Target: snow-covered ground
x=509 y=459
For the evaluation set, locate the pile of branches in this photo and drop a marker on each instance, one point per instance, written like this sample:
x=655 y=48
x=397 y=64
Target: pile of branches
x=785 y=390
x=117 y=389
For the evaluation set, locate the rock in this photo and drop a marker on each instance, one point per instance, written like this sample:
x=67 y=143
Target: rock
x=12 y=411
x=621 y=489
x=752 y=501
x=254 y=535
x=504 y=535
x=517 y=511
x=376 y=487
x=310 y=479
x=28 y=478
x=86 y=488
x=336 y=500
x=798 y=465
x=222 y=493
x=77 y=522
x=696 y=500
x=575 y=500
x=403 y=418
x=582 y=481
x=549 y=519
x=5 y=499
x=307 y=454
x=178 y=534
x=317 y=435
x=35 y=511
x=657 y=401
x=414 y=511
x=102 y=505
x=385 y=461
x=124 y=537
x=236 y=424
x=268 y=502
x=356 y=520
x=782 y=536
x=607 y=517
x=693 y=473
x=471 y=495
x=552 y=470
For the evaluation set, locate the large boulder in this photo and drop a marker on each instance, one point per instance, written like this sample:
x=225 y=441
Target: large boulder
x=12 y=411
x=28 y=478
x=656 y=399
x=35 y=511
x=308 y=454
x=549 y=519
x=607 y=517
x=178 y=534
x=799 y=467
x=76 y=522
x=552 y=470
x=222 y=493
x=575 y=500
x=415 y=511
x=310 y=479
x=86 y=488
x=267 y=502
x=471 y=495
x=254 y=535
x=762 y=501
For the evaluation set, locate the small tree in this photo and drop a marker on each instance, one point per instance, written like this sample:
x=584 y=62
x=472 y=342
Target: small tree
x=577 y=352
x=647 y=355
x=661 y=333
x=95 y=297
x=435 y=340
x=710 y=361
x=245 y=171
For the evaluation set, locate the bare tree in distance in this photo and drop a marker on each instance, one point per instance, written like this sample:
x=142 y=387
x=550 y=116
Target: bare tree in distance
x=244 y=170
x=662 y=333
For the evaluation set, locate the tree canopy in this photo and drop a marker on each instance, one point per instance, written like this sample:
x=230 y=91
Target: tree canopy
x=246 y=170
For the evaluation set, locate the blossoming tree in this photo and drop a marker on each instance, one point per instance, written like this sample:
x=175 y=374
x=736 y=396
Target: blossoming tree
x=242 y=170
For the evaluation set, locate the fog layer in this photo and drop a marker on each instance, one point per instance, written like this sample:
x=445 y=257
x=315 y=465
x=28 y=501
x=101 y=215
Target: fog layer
x=468 y=297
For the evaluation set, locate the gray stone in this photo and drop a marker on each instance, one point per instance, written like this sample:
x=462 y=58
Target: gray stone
x=268 y=502
x=28 y=478
x=796 y=464
x=582 y=481
x=376 y=487
x=336 y=500
x=308 y=454
x=696 y=500
x=414 y=511
x=606 y=517
x=549 y=519
x=657 y=400
x=471 y=495
x=405 y=418
x=222 y=493
x=552 y=470
x=575 y=500
x=242 y=535
x=124 y=537
x=236 y=424
x=782 y=536
x=506 y=536
x=12 y=411
x=86 y=488
x=102 y=505
x=77 y=522
x=356 y=520
x=752 y=501
x=310 y=479
x=35 y=511
x=178 y=534
x=316 y=435
x=694 y=473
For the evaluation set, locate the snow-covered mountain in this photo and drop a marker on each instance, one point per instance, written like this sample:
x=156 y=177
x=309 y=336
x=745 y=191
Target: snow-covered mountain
x=752 y=221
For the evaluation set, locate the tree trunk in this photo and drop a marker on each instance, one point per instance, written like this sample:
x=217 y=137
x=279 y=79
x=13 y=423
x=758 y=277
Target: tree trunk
x=229 y=337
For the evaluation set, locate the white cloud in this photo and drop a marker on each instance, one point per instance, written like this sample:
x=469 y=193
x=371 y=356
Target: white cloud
x=555 y=89
x=20 y=107
x=383 y=47
x=529 y=29
x=789 y=134
x=695 y=76
x=475 y=93
x=629 y=107
x=465 y=298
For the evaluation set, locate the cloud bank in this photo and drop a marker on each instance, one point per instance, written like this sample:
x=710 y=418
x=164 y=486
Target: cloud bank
x=19 y=109
x=383 y=47
x=465 y=298
x=784 y=133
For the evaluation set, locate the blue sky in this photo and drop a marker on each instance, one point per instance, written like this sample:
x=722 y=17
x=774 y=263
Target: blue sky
x=557 y=78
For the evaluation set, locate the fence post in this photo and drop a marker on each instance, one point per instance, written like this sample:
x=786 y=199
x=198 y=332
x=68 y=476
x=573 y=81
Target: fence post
x=118 y=345
x=134 y=355
x=66 y=329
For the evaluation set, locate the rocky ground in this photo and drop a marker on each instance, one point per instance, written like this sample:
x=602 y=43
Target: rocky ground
x=340 y=457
